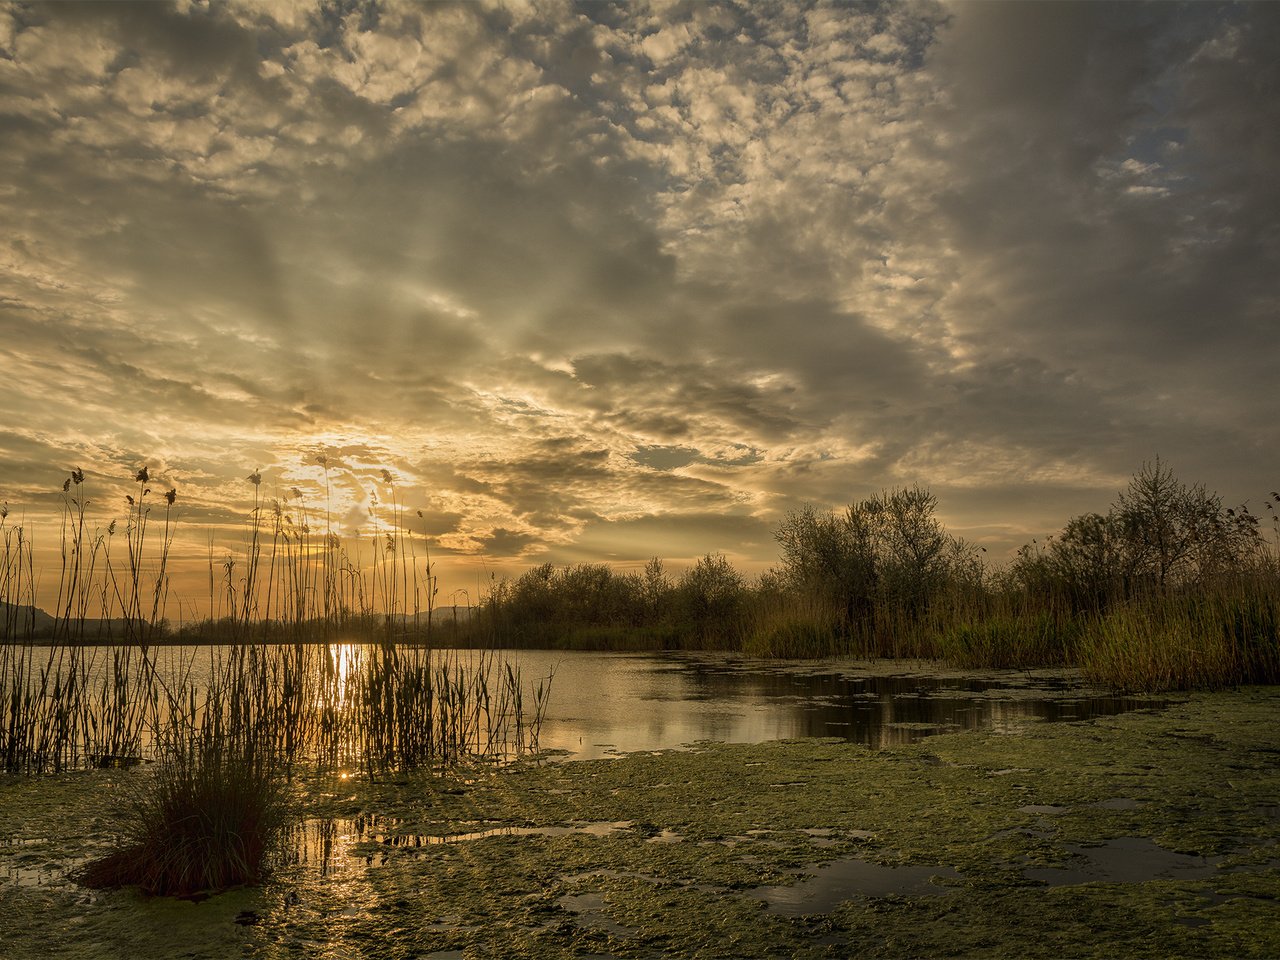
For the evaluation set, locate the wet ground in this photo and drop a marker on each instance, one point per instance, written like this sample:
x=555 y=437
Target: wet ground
x=1150 y=833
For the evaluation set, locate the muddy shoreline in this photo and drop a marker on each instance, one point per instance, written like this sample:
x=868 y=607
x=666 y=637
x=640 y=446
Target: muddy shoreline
x=1151 y=833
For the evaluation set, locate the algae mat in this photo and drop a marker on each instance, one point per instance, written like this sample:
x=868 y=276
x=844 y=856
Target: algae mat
x=1149 y=834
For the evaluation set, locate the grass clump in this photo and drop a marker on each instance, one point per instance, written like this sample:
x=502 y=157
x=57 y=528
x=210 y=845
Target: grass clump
x=206 y=819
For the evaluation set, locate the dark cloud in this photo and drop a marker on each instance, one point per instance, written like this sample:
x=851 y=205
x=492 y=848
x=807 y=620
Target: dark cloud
x=504 y=544
x=664 y=458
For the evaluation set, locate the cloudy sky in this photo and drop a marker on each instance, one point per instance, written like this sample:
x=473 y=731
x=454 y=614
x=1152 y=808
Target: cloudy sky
x=597 y=282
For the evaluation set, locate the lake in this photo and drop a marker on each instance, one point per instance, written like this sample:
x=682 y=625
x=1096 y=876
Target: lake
x=606 y=704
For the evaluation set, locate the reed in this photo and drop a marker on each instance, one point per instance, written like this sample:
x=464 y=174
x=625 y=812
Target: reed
x=793 y=626
x=375 y=707
x=1208 y=639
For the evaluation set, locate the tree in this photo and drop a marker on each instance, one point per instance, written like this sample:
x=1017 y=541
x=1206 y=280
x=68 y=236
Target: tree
x=1159 y=534
x=709 y=597
x=655 y=589
x=1091 y=560
x=1175 y=533
x=832 y=557
x=886 y=551
x=914 y=545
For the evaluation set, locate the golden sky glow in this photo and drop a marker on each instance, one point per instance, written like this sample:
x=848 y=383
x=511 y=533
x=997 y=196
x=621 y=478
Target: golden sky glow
x=598 y=282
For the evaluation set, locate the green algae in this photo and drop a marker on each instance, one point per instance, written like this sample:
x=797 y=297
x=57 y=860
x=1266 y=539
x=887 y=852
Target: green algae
x=709 y=825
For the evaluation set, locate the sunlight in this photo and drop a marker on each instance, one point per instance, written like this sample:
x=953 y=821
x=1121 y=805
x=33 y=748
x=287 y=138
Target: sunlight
x=340 y=664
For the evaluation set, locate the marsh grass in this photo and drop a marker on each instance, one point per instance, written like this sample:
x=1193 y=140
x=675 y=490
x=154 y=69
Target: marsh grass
x=1206 y=639
x=1006 y=640
x=793 y=626
x=205 y=818
x=377 y=708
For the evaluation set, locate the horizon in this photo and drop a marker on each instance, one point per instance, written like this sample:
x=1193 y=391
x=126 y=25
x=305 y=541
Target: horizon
x=597 y=283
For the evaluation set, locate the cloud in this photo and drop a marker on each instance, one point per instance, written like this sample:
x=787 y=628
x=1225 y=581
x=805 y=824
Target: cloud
x=591 y=278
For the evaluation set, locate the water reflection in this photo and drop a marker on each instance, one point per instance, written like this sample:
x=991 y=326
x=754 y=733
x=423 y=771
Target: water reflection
x=341 y=661
x=606 y=704
x=336 y=846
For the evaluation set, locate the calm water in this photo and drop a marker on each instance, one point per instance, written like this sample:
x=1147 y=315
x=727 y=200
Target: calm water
x=603 y=704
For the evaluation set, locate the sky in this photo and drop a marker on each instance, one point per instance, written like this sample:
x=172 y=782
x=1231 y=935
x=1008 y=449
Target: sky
x=599 y=282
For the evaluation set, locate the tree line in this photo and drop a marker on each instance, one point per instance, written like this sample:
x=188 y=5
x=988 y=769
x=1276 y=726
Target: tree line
x=884 y=577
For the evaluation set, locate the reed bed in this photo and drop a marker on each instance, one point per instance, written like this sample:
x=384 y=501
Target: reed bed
x=227 y=735
x=368 y=707
x=106 y=688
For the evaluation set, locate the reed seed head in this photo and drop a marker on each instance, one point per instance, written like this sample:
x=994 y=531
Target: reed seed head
x=142 y=476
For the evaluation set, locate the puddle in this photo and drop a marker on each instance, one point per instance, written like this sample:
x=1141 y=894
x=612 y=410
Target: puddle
x=1125 y=860
x=29 y=862
x=833 y=883
x=333 y=846
x=666 y=835
x=589 y=912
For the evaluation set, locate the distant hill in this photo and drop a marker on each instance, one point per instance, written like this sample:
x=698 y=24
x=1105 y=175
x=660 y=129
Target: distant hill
x=25 y=622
